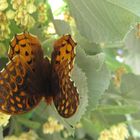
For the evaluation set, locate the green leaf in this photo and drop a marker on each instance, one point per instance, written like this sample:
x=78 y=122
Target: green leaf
x=117 y=110
x=100 y=21
x=130 y=87
x=61 y=27
x=89 y=47
x=132 y=43
x=98 y=76
x=127 y=4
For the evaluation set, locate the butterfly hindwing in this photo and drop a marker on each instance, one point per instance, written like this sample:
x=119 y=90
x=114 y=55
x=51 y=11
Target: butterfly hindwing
x=66 y=98
x=17 y=89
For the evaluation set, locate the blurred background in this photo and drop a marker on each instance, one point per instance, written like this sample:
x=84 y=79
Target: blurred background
x=106 y=69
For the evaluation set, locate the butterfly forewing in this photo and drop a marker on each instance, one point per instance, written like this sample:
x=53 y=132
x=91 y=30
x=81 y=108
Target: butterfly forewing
x=66 y=98
x=28 y=46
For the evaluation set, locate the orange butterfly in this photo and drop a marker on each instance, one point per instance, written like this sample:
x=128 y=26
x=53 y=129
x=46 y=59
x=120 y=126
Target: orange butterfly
x=29 y=77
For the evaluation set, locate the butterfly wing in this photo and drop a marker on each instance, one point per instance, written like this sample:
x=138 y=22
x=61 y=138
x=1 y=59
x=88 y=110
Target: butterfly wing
x=26 y=45
x=29 y=47
x=20 y=81
x=17 y=89
x=65 y=96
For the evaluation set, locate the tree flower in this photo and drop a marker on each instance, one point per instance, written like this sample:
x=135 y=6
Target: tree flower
x=4 y=26
x=23 y=10
x=3 y=5
x=31 y=135
x=116 y=132
x=52 y=126
x=42 y=13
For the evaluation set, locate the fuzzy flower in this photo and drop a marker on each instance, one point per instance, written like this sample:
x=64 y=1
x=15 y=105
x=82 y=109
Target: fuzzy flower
x=23 y=18
x=52 y=126
x=23 y=10
x=3 y=5
x=4 y=119
x=42 y=13
x=116 y=132
x=105 y=135
x=123 y=131
x=31 y=8
x=17 y=3
x=31 y=135
x=4 y=23
x=10 y=14
x=4 y=26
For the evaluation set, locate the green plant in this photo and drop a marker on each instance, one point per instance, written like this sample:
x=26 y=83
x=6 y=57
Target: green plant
x=106 y=70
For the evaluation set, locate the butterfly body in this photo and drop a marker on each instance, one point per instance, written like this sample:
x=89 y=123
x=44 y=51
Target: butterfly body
x=29 y=77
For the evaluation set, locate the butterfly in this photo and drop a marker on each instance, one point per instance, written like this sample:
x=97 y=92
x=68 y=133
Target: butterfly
x=30 y=77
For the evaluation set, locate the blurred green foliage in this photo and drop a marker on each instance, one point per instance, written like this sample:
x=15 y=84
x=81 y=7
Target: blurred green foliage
x=106 y=70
